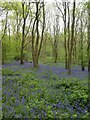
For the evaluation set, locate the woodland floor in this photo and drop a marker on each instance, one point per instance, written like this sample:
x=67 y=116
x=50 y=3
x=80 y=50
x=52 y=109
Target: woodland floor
x=48 y=92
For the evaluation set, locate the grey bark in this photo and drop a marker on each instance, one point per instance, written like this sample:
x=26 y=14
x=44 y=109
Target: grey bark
x=72 y=39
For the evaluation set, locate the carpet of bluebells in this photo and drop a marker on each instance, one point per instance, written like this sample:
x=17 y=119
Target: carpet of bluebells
x=48 y=92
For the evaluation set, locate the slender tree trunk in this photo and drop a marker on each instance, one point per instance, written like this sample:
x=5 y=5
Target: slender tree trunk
x=35 y=62
x=55 y=44
x=82 y=59
x=9 y=42
x=17 y=36
x=56 y=28
x=75 y=43
x=74 y=49
x=65 y=41
x=72 y=40
x=23 y=36
x=55 y=51
x=33 y=37
x=22 y=45
x=89 y=41
x=42 y=34
x=43 y=52
x=68 y=42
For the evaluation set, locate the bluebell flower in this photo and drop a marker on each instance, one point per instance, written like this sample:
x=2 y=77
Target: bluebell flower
x=44 y=113
x=23 y=100
x=32 y=110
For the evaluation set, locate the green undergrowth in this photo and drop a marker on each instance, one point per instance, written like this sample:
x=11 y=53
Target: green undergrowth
x=41 y=97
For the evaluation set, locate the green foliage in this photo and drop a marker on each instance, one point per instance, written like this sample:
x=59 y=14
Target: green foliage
x=5 y=49
x=10 y=6
x=42 y=97
x=7 y=72
x=10 y=49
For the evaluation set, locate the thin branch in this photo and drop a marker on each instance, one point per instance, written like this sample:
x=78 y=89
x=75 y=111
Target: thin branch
x=5 y=27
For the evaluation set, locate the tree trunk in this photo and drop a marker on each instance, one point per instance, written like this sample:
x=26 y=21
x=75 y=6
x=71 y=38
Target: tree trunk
x=17 y=36
x=72 y=40
x=55 y=51
x=42 y=34
x=68 y=42
x=43 y=52
x=35 y=62
x=65 y=41
x=55 y=43
x=37 y=37
x=9 y=42
x=23 y=35
x=74 y=48
x=82 y=59
x=89 y=41
x=55 y=60
x=22 y=45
